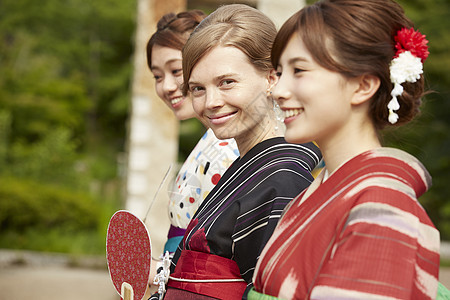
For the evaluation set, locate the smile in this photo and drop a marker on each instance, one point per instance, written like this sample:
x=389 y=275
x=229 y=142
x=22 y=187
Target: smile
x=290 y=114
x=220 y=119
x=176 y=100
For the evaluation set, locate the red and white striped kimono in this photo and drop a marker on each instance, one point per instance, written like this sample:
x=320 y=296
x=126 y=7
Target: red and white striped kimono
x=361 y=234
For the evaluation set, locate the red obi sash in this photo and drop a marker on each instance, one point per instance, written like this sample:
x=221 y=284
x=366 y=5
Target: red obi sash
x=208 y=274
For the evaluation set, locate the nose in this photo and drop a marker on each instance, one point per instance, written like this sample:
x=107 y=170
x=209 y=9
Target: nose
x=170 y=84
x=280 y=91
x=213 y=99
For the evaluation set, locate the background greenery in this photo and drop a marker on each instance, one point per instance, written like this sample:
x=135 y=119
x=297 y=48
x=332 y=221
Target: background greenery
x=65 y=69
x=64 y=90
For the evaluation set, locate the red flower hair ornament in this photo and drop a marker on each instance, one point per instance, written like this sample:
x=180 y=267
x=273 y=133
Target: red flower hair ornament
x=412 y=41
x=407 y=64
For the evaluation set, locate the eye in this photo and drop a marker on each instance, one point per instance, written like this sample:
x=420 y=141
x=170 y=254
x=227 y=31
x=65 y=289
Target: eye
x=196 y=90
x=158 y=78
x=298 y=70
x=177 y=72
x=279 y=71
x=227 y=83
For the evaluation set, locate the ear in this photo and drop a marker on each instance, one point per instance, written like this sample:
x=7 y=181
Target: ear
x=366 y=87
x=272 y=79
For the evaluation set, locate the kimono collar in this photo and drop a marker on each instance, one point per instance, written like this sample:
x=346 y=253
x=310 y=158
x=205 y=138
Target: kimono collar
x=391 y=161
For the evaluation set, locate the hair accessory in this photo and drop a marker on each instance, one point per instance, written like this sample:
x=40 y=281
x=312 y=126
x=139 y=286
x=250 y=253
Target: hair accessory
x=407 y=64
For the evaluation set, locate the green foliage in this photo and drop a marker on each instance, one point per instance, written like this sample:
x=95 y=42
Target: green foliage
x=50 y=160
x=5 y=128
x=26 y=204
x=191 y=131
x=50 y=218
x=54 y=240
x=66 y=63
x=64 y=90
x=428 y=137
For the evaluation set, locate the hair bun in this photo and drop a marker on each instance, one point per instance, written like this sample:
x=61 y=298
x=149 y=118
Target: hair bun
x=165 y=21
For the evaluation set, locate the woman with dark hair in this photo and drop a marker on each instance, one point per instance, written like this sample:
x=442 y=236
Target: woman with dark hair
x=228 y=75
x=346 y=69
x=211 y=157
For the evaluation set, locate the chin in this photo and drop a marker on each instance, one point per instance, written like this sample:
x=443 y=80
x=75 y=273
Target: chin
x=221 y=134
x=182 y=115
x=294 y=138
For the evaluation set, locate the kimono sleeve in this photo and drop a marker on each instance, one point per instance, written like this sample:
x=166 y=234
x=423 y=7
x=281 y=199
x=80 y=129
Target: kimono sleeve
x=385 y=248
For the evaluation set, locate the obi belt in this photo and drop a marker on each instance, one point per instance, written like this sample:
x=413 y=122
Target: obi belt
x=207 y=274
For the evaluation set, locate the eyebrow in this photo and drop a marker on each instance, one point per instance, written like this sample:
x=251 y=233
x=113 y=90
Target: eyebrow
x=296 y=59
x=227 y=75
x=218 y=78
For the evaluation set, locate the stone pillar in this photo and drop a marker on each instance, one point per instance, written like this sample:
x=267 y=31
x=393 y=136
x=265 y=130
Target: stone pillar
x=152 y=130
x=279 y=11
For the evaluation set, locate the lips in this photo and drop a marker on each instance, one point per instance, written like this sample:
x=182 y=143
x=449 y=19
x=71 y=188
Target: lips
x=221 y=118
x=176 y=101
x=291 y=114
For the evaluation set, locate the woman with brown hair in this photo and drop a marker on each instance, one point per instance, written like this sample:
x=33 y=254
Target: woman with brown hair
x=348 y=68
x=211 y=157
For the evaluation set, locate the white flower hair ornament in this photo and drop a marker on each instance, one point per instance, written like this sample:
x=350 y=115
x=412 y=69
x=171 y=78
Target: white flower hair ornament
x=407 y=64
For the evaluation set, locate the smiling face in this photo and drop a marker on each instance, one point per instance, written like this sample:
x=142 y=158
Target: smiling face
x=316 y=101
x=168 y=72
x=230 y=96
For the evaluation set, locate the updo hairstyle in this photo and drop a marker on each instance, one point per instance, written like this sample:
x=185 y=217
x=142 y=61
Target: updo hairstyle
x=173 y=30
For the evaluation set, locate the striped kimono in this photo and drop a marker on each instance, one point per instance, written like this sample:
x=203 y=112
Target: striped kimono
x=239 y=215
x=361 y=234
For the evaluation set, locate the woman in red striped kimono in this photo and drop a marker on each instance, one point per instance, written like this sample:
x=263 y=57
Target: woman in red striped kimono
x=348 y=68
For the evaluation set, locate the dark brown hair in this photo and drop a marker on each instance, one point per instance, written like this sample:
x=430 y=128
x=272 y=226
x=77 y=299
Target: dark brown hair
x=234 y=25
x=173 y=30
x=355 y=37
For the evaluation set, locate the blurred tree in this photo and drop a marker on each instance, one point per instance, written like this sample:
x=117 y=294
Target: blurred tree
x=66 y=64
x=5 y=127
x=64 y=84
x=428 y=137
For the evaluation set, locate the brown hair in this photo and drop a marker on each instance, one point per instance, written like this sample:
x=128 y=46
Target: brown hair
x=355 y=37
x=235 y=25
x=173 y=31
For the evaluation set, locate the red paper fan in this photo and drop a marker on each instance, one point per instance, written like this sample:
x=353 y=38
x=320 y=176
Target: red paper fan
x=128 y=253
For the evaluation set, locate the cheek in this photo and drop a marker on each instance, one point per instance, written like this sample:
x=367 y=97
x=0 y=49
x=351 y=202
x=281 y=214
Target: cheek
x=198 y=105
x=302 y=89
x=159 y=89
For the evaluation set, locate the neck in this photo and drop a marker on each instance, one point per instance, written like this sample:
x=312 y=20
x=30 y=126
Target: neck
x=251 y=138
x=342 y=147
